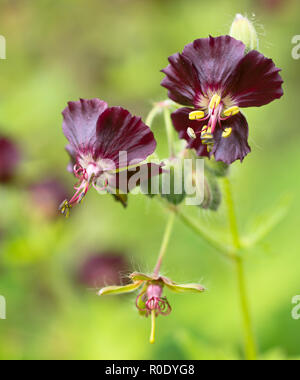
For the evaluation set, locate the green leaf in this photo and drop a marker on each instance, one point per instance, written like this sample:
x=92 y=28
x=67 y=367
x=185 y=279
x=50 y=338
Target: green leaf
x=262 y=225
x=115 y=290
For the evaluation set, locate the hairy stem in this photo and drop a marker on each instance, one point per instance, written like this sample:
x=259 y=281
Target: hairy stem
x=165 y=243
x=170 y=132
x=250 y=345
x=151 y=116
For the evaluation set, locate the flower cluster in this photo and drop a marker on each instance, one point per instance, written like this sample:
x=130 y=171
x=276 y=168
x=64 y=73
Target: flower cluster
x=211 y=80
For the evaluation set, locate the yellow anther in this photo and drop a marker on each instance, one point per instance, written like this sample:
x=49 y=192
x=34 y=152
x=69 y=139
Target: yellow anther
x=227 y=132
x=206 y=133
x=191 y=133
x=232 y=111
x=215 y=101
x=196 y=115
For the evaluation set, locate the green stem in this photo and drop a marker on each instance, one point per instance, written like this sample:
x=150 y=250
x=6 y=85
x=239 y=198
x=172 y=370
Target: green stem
x=151 y=116
x=170 y=132
x=190 y=223
x=250 y=345
x=165 y=243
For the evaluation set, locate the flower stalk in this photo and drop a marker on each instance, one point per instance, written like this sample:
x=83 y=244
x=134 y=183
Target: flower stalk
x=165 y=243
x=250 y=345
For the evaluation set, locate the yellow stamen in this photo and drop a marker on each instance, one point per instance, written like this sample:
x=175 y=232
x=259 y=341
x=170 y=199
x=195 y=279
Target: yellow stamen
x=215 y=101
x=196 y=115
x=227 y=132
x=206 y=133
x=153 y=321
x=191 y=133
x=65 y=208
x=232 y=111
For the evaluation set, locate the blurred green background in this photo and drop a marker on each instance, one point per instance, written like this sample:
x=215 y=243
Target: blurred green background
x=114 y=49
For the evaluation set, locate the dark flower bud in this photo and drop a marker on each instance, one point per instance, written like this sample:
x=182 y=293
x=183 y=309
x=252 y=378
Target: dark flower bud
x=46 y=195
x=9 y=159
x=103 y=269
x=212 y=193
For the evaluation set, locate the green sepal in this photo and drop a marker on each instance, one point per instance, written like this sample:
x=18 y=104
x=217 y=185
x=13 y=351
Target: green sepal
x=115 y=290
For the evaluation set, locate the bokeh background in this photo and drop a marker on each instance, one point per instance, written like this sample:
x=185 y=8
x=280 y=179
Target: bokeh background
x=114 y=49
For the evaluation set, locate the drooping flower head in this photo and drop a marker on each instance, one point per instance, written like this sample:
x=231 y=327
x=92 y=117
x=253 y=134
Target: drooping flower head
x=214 y=78
x=9 y=159
x=97 y=135
x=150 y=301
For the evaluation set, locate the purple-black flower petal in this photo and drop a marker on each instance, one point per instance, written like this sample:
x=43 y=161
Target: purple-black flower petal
x=235 y=147
x=182 y=80
x=215 y=59
x=80 y=120
x=205 y=65
x=119 y=131
x=182 y=122
x=255 y=81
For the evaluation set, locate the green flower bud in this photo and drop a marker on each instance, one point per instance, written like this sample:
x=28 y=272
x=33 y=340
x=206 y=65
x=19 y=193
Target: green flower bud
x=217 y=168
x=172 y=182
x=243 y=29
x=212 y=193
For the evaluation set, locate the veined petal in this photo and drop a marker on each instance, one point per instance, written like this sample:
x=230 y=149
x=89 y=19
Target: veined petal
x=115 y=290
x=119 y=131
x=182 y=123
x=182 y=80
x=214 y=59
x=235 y=146
x=255 y=81
x=183 y=288
x=80 y=120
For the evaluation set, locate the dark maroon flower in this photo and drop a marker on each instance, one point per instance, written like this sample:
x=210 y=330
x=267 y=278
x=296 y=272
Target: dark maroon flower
x=216 y=78
x=9 y=159
x=103 y=142
x=46 y=195
x=103 y=269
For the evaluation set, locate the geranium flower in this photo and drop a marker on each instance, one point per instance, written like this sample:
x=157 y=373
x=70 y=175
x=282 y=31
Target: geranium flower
x=150 y=301
x=103 y=143
x=216 y=79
